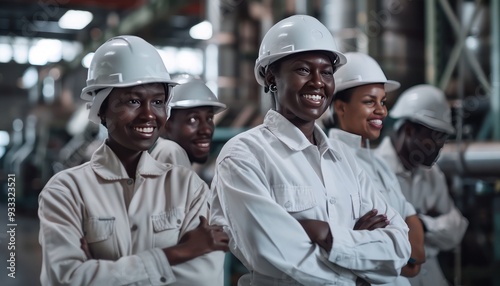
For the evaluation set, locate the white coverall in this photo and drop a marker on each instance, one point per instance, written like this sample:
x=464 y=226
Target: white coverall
x=126 y=223
x=383 y=178
x=168 y=151
x=269 y=177
x=426 y=190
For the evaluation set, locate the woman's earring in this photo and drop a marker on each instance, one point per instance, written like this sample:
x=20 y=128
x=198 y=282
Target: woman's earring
x=273 y=88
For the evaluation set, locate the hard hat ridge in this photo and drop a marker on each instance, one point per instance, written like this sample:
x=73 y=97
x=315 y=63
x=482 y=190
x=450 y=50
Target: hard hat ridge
x=194 y=93
x=424 y=104
x=295 y=34
x=362 y=69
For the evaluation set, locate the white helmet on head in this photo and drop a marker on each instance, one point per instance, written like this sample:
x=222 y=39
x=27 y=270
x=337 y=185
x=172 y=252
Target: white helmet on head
x=122 y=61
x=194 y=93
x=295 y=34
x=362 y=69
x=424 y=104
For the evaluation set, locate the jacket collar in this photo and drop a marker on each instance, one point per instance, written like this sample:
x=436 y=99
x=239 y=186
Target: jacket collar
x=107 y=165
x=292 y=137
x=351 y=139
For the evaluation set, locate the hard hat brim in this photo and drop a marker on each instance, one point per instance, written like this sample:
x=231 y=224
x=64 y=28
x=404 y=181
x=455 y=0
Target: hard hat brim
x=434 y=124
x=389 y=85
x=265 y=62
x=187 y=104
x=87 y=91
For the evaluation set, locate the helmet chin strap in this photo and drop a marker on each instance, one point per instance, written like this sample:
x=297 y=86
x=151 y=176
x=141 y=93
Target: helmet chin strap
x=96 y=103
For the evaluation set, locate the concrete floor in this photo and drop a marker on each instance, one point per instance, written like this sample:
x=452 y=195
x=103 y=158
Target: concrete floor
x=28 y=253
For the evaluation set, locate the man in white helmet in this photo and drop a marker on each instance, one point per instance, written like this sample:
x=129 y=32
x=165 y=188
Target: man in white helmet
x=124 y=218
x=424 y=124
x=190 y=125
x=298 y=208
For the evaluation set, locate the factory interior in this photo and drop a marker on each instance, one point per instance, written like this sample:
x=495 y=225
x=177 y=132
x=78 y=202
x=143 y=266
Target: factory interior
x=451 y=44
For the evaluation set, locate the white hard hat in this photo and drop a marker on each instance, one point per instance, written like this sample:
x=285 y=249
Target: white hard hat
x=184 y=77
x=295 y=34
x=362 y=69
x=122 y=61
x=194 y=93
x=424 y=104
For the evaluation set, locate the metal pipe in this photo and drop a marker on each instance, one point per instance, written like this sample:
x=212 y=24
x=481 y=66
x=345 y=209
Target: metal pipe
x=495 y=112
x=478 y=159
x=431 y=65
x=495 y=67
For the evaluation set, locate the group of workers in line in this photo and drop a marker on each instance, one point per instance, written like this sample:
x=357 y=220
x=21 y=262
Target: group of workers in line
x=295 y=206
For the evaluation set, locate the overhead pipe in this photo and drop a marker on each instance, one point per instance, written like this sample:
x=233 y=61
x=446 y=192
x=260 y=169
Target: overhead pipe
x=474 y=159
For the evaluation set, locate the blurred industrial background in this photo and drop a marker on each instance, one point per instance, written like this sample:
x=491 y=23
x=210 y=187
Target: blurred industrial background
x=454 y=45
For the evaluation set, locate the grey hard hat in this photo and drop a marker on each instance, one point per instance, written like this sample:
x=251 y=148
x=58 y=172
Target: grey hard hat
x=194 y=93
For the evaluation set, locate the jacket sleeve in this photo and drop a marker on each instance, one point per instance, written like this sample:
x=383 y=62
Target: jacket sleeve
x=65 y=263
x=378 y=255
x=207 y=269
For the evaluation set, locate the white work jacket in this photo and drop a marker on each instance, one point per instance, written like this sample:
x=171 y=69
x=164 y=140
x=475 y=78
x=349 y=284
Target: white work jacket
x=126 y=223
x=383 y=178
x=427 y=190
x=269 y=177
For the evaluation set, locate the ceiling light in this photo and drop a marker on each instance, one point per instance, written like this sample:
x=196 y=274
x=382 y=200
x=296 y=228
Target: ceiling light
x=30 y=77
x=75 y=19
x=45 y=50
x=87 y=59
x=5 y=53
x=201 y=31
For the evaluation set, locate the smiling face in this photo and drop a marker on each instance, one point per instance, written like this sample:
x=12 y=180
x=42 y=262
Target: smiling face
x=362 y=112
x=134 y=117
x=192 y=129
x=305 y=86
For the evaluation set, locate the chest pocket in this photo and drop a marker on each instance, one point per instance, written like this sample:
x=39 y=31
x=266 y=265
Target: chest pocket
x=101 y=238
x=294 y=198
x=166 y=227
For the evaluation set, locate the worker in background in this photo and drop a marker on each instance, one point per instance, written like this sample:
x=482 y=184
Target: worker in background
x=124 y=218
x=298 y=208
x=423 y=126
x=358 y=111
x=190 y=127
x=187 y=136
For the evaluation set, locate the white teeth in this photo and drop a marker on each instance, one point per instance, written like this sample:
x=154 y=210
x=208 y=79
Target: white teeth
x=313 y=97
x=144 y=130
x=376 y=121
x=204 y=145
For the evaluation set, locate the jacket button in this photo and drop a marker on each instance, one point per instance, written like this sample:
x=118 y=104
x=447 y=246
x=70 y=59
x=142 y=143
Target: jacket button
x=163 y=280
x=134 y=227
x=130 y=181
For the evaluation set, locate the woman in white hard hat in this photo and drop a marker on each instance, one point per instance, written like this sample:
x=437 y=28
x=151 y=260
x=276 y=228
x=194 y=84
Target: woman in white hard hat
x=123 y=218
x=424 y=123
x=299 y=209
x=191 y=122
x=359 y=110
